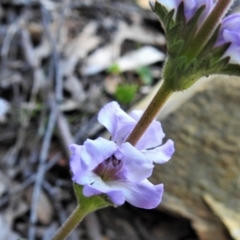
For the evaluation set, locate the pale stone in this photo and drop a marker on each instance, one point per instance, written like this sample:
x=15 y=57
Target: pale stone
x=206 y=132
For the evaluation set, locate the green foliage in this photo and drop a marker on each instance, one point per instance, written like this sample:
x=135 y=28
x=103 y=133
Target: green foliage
x=231 y=69
x=190 y=55
x=145 y=75
x=126 y=92
x=114 y=69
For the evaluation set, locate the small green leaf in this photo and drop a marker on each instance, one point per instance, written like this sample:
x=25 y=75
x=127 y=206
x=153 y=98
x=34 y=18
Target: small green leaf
x=114 y=69
x=180 y=18
x=231 y=69
x=168 y=21
x=126 y=92
x=218 y=52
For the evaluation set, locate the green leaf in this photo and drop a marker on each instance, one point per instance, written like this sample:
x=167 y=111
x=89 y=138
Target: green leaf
x=193 y=22
x=165 y=17
x=114 y=69
x=189 y=30
x=168 y=21
x=209 y=45
x=218 y=52
x=126 y=92
x=231 y=69
x=180 y=18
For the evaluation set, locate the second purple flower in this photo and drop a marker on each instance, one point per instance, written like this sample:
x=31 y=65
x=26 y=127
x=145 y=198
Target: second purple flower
x=230 y=33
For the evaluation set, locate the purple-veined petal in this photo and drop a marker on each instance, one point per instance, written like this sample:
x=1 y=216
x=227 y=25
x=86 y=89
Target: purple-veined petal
x=160 y=154
x=143 y=194
x=96 y=151
x=137 y=167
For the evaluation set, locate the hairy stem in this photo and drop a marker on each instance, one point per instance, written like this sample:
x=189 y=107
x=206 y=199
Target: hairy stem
x=150 y=114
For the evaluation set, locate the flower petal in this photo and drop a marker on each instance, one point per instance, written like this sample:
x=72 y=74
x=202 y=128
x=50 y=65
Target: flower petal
x=152 y=137
x=142 y=195
x=75 y=161
x=121 y=135
x=191 y=6
x=116 y=196
x=231 y=22
x=113 y=118
x=230 y=32
x=234 y=52
x=160 y=154
x=136 y=167
x=85 y=177
x=233 y=37
x=96 y=151
x=107 y=116
x=136 y=114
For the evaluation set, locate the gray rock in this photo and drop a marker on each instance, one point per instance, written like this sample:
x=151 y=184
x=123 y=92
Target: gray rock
x=206 y=132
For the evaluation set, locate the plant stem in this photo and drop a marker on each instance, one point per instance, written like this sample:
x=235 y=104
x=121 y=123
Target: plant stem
x=74 y=219
x=150 y=113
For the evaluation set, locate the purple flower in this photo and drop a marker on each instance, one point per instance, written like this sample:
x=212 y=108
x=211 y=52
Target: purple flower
x=230 y=32
x=190 y=7
x=116 y=168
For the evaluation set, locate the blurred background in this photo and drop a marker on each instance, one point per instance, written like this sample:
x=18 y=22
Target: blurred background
x=60 y=62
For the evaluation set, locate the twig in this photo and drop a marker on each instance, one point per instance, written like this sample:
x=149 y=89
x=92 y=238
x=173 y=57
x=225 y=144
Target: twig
x=30 y=180
x=53 y=192
x=64 y=133
x=51 y=124
x=142 y=230
x=84 y=130
x=41 y=172
x=12 y=30
x=55 y=55
x=93 y=227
